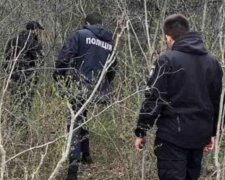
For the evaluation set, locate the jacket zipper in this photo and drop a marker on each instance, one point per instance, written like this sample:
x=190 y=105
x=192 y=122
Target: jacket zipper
x=178 y=124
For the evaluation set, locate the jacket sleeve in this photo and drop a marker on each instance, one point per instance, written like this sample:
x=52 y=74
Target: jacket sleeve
x=216 y=90
x=112 y=71
x=39 y=50
x=9 y=54
x=35 y=51
x=155 y=96
x=67 y=53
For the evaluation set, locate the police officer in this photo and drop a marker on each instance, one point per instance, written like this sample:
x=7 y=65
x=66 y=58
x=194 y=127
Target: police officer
x=23 y=54
x=183 y=95
x=81 y=60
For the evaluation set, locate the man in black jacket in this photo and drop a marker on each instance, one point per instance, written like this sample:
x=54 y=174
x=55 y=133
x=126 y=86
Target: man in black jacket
x=183 y=94
x=81 y=60
x=25 y=50
x=23 y=55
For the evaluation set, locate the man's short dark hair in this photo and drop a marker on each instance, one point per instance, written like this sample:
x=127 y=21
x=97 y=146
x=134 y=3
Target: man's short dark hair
x=94 y=18
x=176 y=25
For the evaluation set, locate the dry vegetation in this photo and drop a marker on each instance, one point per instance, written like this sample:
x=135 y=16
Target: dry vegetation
x=32 y=146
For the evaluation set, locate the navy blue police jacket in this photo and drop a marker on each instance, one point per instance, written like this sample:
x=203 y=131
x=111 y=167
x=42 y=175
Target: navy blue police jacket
x=85 y=53
x=183 y=94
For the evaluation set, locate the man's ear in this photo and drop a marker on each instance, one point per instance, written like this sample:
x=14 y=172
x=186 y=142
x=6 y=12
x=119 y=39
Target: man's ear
x=169 y=40
x=87 y=23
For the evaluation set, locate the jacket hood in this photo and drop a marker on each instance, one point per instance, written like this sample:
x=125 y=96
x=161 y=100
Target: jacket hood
x=190 y=43
x=101 y=32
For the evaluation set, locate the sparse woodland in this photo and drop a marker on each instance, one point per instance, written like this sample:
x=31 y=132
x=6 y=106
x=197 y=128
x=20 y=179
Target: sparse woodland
x=35 y=147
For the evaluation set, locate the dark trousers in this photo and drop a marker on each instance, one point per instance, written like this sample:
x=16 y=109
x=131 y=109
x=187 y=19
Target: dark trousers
x=176 y=163
x=80 y=139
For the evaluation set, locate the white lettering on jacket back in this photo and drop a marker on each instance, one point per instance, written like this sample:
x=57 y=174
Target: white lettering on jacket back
x=99 y=43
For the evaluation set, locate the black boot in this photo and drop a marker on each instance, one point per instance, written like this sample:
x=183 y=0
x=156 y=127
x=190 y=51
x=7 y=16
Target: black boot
x=86 y=159
x=85 y=150
x=72 y=171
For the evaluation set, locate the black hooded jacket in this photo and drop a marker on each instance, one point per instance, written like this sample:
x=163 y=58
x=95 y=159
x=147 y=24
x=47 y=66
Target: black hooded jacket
x=184 y=93
x=27 y=49
x=85 y=54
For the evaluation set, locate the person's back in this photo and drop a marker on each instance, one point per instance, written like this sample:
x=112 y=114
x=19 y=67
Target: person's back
x=184 y=96
x=25 y=51
x=23 y=55
x=192 y=91
x=85 y=55
x=95 y=46
x=82 y=58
